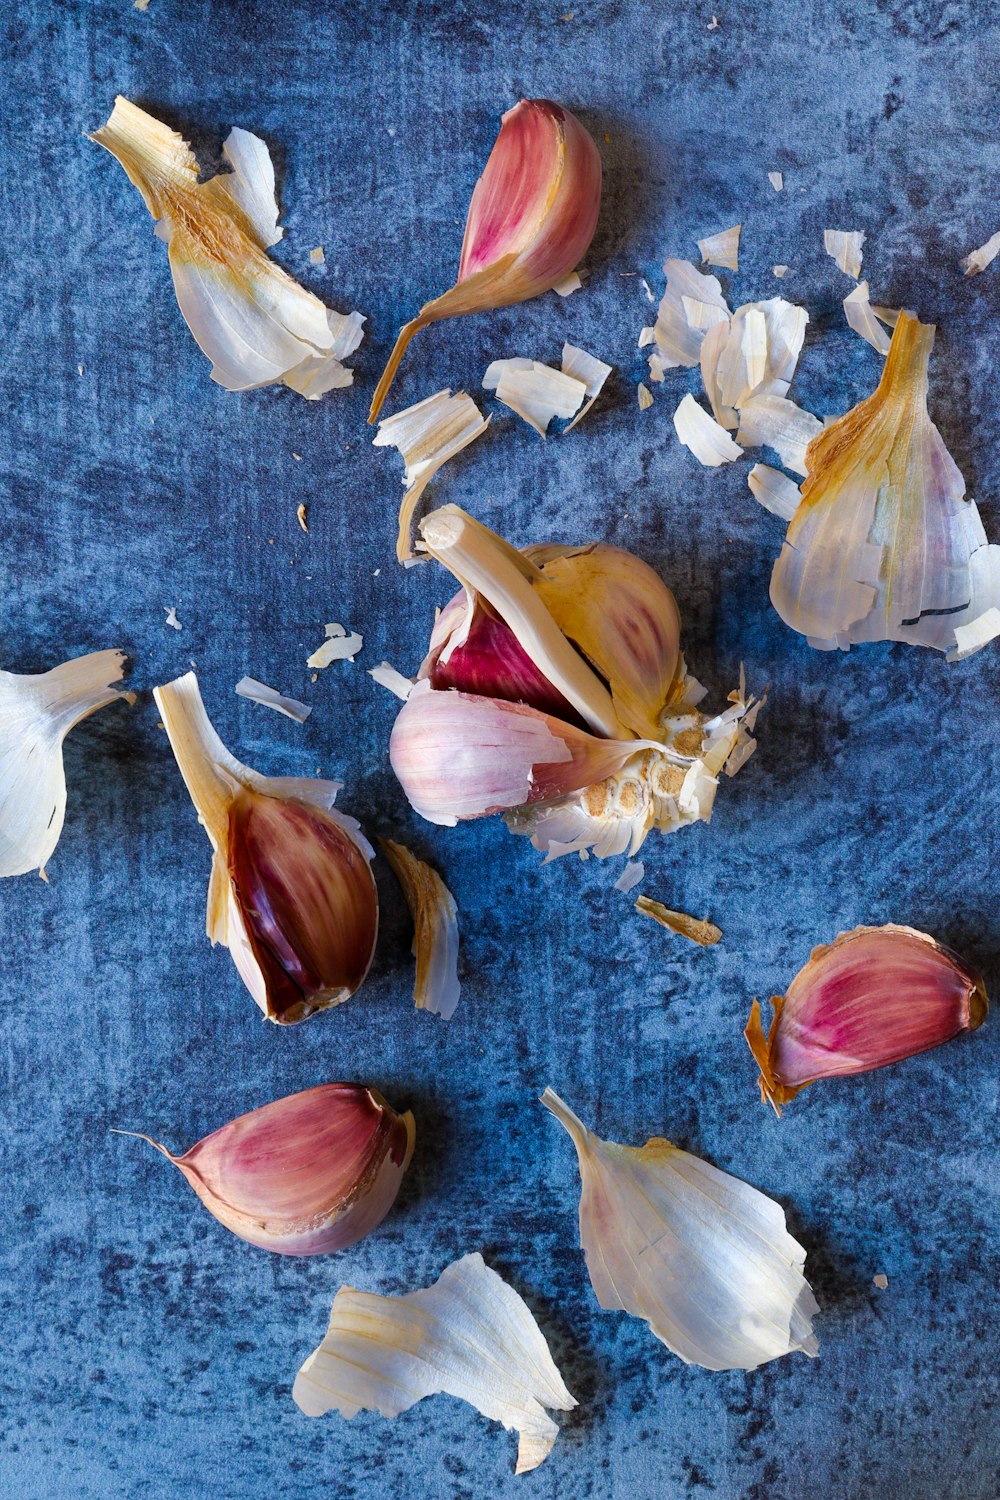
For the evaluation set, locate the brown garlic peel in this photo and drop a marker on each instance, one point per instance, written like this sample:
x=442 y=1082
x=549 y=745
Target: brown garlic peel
x=874 y=996
x=306 y=1175
x=435 y=930
x=291 y=892
x=531 y=220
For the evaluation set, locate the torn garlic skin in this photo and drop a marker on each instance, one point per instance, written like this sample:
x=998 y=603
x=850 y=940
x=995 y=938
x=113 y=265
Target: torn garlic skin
x=252 y=320
x=554 y=692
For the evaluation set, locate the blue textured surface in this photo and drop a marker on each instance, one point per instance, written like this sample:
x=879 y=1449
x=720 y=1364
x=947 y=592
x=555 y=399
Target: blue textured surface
x=145 y=1351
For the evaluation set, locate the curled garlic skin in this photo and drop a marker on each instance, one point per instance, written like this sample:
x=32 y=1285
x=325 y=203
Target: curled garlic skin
x=874 y=996
x=554 y=691
x=307 y=1175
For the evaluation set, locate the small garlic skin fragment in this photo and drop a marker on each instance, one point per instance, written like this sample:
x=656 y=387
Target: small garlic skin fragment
x=776 y=180
x=291 y=892
x=645 y=396
x=427 y=436
x=704 y=933
x=979 y=259
x=874 y=996
x=844 y=245
x=883 y=546
x=307 y=1175
x=531 y=220
x=554 y=691
x=340 y=645
x=862 y=318
x=256 y=325
x=704 y=1258
x=259 y=692
x=710 y=443
x=775 y=422
x=775 y=491
x=469 y=1335
x=722 y=249
x=435 y=930
x=677 y=341
x=37 y=711
x=536 y=393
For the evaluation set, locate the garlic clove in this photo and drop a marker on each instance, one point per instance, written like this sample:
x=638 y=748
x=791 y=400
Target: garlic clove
x=291 y=892
x=306 y=1175
x=37 y=711
x=531 y=220
x=461 y=756
x=469 y=1335
x=435 y=930
x=874 y=996
x=704 y=1258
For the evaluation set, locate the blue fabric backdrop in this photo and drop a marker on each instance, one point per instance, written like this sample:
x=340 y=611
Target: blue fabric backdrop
x=148 y=1353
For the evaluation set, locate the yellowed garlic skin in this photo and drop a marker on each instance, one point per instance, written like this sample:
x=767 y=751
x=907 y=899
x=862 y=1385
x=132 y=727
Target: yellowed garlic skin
x=873 y=997
x=306 y=1175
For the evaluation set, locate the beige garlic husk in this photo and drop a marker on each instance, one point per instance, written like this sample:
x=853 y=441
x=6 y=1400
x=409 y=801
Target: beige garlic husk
x=554 y=691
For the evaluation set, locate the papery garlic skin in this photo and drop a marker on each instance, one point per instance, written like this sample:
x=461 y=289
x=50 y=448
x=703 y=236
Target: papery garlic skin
x=882 y=546
x=291 y=892
x=554 y=690
x=37 y=711
x=872 y=997
x=704 y=1258
x=469 y=1335
x=307 y=1175
x=435 y=930
x=531 y=220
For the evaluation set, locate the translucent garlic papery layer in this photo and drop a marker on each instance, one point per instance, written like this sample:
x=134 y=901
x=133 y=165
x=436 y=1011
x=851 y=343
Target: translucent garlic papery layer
x=882 y=546
x=704 y=1258
x=291 y=894
x=531 y=220
x=427 y=436
x=874 y=996
x=469 y=1335
x=256 y=325
x=37 y=711
x=435 y=930
x=554 y=691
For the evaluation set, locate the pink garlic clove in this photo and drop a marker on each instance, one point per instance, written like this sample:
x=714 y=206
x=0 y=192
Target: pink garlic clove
x=306 y=1175
x=872 y=997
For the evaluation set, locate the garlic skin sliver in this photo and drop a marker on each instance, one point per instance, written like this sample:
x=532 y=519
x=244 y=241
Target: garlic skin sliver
x=775 y=491
x=722 y=249
x=259 y=692
x=677 y=342
x=861 y=317
x=291 y=892
x=979 y=259
x=37 y=711
x=460 y=756
x=872 y=997
x=704 y=1258
x=775 y=422
x=435 y=930
x=307 y=1175
x=710 y=443
x=592 y=371
x=256 y=325
x=469 y=1335
x=704 y=933
x=537 y=394
x=844 y=245
x=427 y=436
x=882 y=545
x=531 y=220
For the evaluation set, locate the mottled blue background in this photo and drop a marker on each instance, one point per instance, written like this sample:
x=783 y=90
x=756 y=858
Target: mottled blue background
x=146 y=1352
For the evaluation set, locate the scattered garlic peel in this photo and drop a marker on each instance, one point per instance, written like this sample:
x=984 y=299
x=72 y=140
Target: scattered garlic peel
x=302 y=515
x=704 y=933
x=259 y=692
x=469 y=1335
x=592 y=371
x=677 y=341
x=37 y=711
x=872 y=997
x=753 y=356
x=844 y=245
x=775 y=422
x=531 y=220
x=775 y=491
x=568 y=285
x=983 y=257
x=708 y=441
x=880 y=1280
x=536 y=392
x=388 y=677
x=435 y=930
x=722 y=249
x=779 y=271
x=883 y=546
x=862 y=318
x=309 y=1174
x=256 y=325
x=704 y=1258
x=645 y=396
x=776 y=180
x=632 y=875
x=170 y=610
x=340 y=645
x=427 y=436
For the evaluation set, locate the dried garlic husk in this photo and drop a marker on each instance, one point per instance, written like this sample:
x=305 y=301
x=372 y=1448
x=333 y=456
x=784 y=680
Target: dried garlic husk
x=775 y=422
x=427 y=436
x=844 y=245
x=538 y=393
x=702 y=434
x=531 y=220
x=435 y=930
x=306 y=1175
x=704 y=1258
x=979 y=259
x=691 y=304
x=259 y=692
x=722 y=249
x=554 y=690
x=699 y=930
x=862 y=317
x=775 y=491
x=291 y=894
x=872 y=997
x=37 y=712
x=882 y=546
x=256 y=325
x=469 y=1335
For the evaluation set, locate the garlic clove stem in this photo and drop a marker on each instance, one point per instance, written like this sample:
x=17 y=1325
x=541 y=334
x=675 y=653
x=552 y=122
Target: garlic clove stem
x=306 y=1175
